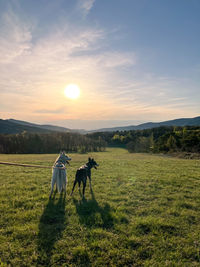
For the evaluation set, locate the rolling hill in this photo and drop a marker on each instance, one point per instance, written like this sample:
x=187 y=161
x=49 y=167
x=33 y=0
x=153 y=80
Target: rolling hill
x=177 y=122
x=12 y=126
x=16 y=126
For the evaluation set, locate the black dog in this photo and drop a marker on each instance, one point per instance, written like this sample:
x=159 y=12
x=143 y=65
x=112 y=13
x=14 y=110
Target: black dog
x=83 y=172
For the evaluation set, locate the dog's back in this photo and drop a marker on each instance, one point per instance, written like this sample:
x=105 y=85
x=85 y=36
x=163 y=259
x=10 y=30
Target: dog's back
x=81 y=174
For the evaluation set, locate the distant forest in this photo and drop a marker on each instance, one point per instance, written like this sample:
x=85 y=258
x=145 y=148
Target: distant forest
x=34 y=143
x=162 y=139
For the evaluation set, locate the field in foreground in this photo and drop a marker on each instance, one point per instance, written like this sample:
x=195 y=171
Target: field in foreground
x=144 y=211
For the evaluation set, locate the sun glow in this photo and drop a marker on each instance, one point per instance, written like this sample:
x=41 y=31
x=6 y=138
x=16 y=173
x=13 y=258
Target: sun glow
x=72 y=91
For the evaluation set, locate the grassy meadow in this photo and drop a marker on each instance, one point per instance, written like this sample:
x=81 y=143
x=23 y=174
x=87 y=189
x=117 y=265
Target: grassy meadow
x=144 y=210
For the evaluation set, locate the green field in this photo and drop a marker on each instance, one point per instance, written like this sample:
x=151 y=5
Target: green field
x=144 y=211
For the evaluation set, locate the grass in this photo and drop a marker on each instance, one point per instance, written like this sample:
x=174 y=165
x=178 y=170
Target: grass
x=144 y=211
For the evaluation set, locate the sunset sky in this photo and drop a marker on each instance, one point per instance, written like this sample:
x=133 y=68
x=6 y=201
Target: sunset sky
x=133 y=60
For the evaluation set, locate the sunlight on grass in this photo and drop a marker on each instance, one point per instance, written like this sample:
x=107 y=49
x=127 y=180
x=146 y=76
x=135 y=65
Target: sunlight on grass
x=144 y=211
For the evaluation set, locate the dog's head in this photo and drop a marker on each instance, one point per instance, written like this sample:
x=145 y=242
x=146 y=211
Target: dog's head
x=92 y=163
x=64 y=158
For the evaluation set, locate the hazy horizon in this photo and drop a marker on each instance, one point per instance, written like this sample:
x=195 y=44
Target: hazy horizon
x=134 y=61
x=97 y=124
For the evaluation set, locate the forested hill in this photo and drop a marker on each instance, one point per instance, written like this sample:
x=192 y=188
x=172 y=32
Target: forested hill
x=16 y=126
x=12 y=126
x=177 y=122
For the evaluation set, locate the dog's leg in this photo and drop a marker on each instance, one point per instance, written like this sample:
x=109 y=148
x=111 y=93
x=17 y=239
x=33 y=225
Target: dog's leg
x=65 y=182
x=73 y=187
x=84 y=185
x=51 y=193
x=89 y=176
x=79 y=185
x=53 y=180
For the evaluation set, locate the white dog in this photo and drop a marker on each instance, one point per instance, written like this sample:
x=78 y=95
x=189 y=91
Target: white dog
x=59 y=174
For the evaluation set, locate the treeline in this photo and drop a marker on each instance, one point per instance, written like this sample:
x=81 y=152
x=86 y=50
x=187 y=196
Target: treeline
x=161 y=139
x=49 y=143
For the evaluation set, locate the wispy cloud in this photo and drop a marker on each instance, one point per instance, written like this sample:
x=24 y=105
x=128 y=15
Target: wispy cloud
x=85 y=5
x=116 y=59
x=34 y=70
x=52 y=111
x=15 y=38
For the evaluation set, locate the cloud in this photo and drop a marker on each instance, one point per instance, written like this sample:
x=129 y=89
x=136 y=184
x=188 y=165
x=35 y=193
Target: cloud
x=27 y=66
x=39 y=68
x=51 y=111
x=86 y=5
x=15 y=38
x=116 y=59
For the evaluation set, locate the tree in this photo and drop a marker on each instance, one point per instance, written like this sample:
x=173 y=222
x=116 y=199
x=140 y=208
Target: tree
x=171 y=143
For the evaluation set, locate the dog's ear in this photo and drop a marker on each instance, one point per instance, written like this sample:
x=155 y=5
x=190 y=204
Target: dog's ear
x=89 y=159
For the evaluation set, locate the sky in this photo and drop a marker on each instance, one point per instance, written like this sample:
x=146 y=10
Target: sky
x=134 y=60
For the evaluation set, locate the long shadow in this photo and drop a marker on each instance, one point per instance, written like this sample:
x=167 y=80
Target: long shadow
x=51 y=226
x=93 y=215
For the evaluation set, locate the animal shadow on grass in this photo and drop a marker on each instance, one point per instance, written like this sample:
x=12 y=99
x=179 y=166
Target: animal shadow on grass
x=51 y=226
x=93 y=215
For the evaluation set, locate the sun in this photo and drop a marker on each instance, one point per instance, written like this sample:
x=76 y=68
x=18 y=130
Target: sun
x=72 y=91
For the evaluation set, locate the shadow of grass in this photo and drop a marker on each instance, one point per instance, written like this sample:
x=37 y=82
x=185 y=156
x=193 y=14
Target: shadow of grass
x=51 y=226
x=93 y=215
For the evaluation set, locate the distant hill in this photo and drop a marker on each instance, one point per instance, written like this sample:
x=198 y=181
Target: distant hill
x=45 y=126
x=16 y=126
x=177 y=122
x=12 y=126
